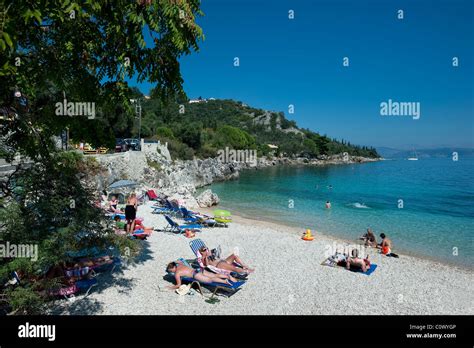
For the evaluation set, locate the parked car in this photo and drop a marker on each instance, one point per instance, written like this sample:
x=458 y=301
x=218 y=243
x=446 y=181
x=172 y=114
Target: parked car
x=120 y=145
x=133 y=144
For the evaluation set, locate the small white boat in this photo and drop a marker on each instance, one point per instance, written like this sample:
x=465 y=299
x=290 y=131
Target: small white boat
x=414 y=158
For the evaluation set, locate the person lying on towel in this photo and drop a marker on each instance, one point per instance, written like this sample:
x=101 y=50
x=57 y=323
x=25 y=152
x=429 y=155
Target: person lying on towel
x=227 y=264
x=356 y=262
x=202 y=276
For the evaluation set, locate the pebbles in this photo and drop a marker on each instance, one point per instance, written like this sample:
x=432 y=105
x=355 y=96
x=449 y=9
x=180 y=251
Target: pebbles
x=288 y=279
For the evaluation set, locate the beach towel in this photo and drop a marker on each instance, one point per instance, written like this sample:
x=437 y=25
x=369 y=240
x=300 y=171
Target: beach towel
x=332 y=263
x=371 y=270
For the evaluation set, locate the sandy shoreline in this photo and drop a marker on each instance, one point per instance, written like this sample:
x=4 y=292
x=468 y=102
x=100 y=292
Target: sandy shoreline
x=289 y=278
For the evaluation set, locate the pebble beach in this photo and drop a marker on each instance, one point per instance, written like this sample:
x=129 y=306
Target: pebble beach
x=288 y=279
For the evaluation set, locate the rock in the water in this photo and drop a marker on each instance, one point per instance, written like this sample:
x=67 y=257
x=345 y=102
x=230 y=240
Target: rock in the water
x=207 y=199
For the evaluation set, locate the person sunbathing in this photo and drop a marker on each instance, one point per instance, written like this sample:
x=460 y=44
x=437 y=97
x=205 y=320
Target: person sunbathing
x=227 y=264
x=202 y=276
x=356 y=262
x=139 y=226
x=113 y=205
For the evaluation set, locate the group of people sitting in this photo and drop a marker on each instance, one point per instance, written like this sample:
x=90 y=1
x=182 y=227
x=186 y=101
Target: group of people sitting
x=211 y=269
x=370 y=240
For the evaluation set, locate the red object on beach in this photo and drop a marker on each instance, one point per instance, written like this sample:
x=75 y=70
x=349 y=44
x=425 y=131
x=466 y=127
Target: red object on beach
x=151 y=194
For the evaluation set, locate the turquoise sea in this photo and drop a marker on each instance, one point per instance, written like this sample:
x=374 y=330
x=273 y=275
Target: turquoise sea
x=435 y=219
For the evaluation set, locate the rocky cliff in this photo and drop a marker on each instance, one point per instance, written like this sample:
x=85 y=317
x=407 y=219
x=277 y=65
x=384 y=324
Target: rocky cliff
x=179 y=179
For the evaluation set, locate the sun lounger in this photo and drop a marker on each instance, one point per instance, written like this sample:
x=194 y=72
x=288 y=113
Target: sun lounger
x=197 y=244
x=166 y=209
x=214 y=287
x=151 y=195
x=79 y=286
x=228 y=289
x=94 y=251
x=174 y=227
x=203 y=220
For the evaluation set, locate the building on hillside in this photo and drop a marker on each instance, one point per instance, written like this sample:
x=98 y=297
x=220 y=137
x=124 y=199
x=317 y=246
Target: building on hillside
x=198 y=100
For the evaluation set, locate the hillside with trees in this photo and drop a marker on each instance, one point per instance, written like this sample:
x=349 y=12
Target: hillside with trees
x=200 y=129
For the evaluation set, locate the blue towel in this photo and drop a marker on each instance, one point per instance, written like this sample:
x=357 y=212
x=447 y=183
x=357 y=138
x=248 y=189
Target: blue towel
x=369 y=271
x=190 y=227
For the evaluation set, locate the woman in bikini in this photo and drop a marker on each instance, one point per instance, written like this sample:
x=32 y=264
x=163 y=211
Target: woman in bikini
x=113 y=205
x=227 y=264
x=202 y=276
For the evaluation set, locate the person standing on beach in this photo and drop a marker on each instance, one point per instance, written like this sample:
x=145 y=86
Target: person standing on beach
x=131 y=212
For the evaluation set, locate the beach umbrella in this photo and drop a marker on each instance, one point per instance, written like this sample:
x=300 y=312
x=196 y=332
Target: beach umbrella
x=122 y=184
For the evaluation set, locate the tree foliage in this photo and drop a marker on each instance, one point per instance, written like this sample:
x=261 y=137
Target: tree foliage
x=51 y=50
x=209 y=126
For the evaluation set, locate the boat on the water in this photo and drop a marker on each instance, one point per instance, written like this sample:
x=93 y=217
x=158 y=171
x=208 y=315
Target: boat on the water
x=414 y=158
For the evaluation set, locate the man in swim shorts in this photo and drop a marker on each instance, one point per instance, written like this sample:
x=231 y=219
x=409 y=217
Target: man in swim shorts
x=356 y=262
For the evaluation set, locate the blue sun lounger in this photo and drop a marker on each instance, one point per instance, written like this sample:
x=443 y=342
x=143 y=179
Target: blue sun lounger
x=166 y=209
x=228 y=289
x=195 y=245
x=174 y=227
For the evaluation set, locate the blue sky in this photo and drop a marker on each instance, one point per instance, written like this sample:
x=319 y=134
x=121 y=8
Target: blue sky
x=299 y=62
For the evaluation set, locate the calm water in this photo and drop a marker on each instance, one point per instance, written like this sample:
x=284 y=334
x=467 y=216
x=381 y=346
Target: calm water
x=437 y=194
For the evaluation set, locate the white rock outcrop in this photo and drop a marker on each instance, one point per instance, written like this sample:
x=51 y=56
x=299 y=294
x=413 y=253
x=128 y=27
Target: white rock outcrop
x=207 y=199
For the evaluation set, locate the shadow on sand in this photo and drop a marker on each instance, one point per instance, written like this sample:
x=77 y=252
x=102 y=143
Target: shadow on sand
x=87 y=305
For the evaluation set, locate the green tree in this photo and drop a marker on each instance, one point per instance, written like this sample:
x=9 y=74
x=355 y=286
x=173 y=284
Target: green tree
x=83 y=52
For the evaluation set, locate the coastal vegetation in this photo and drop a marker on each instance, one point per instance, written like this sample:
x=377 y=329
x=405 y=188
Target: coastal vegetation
x=201 y=129
x=83 y=52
